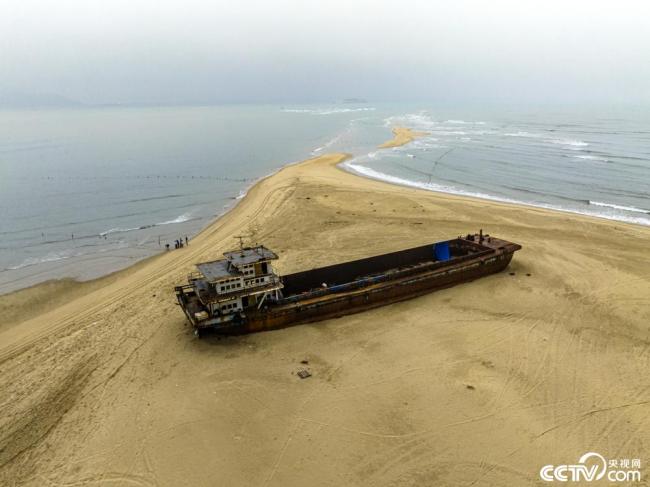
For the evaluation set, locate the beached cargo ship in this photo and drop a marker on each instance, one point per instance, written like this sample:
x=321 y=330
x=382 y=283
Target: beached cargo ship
x=241 y=293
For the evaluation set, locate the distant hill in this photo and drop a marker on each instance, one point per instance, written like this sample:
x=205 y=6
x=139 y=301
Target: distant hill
x=35 y=100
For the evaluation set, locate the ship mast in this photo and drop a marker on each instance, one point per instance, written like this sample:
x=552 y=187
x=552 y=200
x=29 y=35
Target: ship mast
x=241 y=241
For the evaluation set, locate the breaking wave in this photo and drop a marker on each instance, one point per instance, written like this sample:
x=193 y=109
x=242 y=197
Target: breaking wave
x=430 y=186
x=118 y=230
x=62 y=255
x=592 y=158
x=522 y=133
x=463 y=122
x=51 y=257
x=569 y=142
x=619 y=207
x=186 y=217
x=419 y=121
x=336 y=139
x=423 y=121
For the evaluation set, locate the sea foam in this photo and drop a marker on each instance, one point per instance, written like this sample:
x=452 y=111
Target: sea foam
x=430 y=186
x=522 y=133
x=569 y=142
x=185 y=217
x=591 y=158
x=463 y=122
x=619 y=207
x=51 y=257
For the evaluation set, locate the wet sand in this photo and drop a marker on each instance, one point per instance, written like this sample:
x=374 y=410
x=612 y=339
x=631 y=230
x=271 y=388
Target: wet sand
x=480 y=384
x=401 y=136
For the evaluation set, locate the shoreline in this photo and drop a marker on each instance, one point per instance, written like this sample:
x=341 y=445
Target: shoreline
x=402 y=136
x=75 y=288
x=123 y=268
x=367 y=173
x=113 y=382
x=72 y=288
x=405 y=135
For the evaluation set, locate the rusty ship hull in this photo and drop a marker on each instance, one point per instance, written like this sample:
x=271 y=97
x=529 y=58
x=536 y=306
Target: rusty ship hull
x=356 y=286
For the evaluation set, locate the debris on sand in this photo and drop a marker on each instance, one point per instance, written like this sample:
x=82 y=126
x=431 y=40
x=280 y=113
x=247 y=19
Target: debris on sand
x=303 y=374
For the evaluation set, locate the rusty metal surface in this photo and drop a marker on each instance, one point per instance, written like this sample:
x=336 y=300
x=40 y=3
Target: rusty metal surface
x=371 y=282
x=335 y=305
x=352 y=270
x=384 y=268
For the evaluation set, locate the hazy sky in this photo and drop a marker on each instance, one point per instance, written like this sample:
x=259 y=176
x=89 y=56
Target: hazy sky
x=157 y=51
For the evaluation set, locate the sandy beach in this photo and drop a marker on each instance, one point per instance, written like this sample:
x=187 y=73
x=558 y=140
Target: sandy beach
x=401 y=136
x=103 y=382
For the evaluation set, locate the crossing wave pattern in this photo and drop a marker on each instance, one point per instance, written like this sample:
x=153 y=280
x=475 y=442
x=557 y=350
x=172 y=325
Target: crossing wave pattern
x=599 y=168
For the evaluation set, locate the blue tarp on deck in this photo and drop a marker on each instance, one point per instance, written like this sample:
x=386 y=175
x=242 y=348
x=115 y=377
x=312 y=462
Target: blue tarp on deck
x=441 y=251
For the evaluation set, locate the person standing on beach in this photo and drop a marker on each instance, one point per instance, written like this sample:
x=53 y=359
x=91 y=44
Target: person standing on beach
x=186 y=241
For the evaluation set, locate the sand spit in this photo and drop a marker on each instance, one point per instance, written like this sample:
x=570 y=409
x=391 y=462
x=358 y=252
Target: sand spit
x=402 y=136
x=481 y=384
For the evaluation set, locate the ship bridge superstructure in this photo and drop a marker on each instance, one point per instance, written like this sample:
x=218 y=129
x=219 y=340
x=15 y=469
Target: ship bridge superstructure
x=243 y=279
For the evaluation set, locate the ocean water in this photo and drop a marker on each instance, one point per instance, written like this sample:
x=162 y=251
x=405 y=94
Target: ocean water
x=589 y=161
x=87 y=191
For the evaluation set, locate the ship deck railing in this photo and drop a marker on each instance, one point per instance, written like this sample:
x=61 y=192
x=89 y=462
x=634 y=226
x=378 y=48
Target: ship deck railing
x=213 y=297
x=195 y=276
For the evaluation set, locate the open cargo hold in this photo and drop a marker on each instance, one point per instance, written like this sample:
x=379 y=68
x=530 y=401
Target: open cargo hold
x=242 y=294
